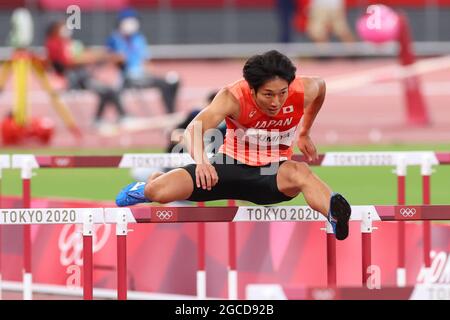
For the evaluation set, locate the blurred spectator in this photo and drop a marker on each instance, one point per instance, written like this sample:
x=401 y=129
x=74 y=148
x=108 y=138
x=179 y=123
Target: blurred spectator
x=132 y=46
x=177 y=135
x=71 y=60
x=326 y=16
x=286 y=10
x=300 y=16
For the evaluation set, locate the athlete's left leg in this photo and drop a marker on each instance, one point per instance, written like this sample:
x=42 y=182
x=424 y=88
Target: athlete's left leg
x=294 y=177
x=174 y=185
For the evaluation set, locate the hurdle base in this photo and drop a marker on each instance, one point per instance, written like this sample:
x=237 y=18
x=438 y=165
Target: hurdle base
x=201 y=284
x=232 y=285
x=27 y=286
x=401 y=277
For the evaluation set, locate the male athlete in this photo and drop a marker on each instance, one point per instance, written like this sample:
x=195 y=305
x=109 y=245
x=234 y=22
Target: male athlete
x=262 y=113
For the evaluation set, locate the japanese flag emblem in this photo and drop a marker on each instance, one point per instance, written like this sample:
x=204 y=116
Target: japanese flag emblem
x=288 y=109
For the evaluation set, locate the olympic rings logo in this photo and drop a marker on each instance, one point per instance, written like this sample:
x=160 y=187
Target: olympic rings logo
x=408 y=212
x=62 y=161
x=164 y=214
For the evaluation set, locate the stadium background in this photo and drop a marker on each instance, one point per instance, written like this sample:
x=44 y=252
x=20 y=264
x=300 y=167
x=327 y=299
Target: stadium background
x=207 y=42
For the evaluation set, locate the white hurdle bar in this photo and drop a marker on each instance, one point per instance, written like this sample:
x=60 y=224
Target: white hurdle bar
x=152 y=214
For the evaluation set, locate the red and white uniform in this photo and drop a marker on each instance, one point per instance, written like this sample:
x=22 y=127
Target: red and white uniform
x=257 y=139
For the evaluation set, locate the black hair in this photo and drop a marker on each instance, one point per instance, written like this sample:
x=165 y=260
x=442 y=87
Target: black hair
x=264 y=67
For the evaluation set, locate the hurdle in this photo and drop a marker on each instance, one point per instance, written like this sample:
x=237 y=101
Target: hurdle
x=365 y=214
x=121 y=217
x=85 y=216
x=28 y=162
x=401 y=160
x=398 y=159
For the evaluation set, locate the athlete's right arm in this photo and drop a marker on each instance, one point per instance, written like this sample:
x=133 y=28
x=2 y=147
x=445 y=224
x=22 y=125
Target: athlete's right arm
x=223 y=105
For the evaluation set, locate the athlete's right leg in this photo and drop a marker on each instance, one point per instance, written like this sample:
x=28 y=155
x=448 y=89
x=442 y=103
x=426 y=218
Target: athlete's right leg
x=294 y=177
x=174 y=185
x=160 y=187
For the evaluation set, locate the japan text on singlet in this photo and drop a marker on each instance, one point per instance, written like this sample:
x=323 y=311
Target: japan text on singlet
x=257 y=139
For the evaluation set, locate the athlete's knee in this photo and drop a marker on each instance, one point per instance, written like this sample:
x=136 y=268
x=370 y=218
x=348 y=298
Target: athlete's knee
x=154 y=192
x=155 y=175
x=157 y=191
x=300 y=172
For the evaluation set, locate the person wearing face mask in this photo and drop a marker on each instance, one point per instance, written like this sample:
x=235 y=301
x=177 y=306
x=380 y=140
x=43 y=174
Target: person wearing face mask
x=265 y=113
x=71 y=60
x=131 y=45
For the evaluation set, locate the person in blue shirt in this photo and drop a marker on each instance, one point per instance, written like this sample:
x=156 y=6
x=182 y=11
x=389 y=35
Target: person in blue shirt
x=72 y=61
x=129 y=43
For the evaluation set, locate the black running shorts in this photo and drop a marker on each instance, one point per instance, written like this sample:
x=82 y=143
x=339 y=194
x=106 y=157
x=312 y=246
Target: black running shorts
x=238 y=181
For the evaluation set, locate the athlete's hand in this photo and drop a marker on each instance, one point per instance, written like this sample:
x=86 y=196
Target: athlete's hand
x=307 y=147
x=206 y=176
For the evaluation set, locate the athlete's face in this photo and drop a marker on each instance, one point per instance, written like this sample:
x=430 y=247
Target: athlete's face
x=271 y=96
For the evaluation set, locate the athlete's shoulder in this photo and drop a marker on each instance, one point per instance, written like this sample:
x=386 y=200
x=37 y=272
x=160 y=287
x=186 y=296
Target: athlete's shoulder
x=239 y=87
x=238 y=83
x=296 y=85
x=313 y=83
x=225 y=102
x=313 y=88
x=226 y=94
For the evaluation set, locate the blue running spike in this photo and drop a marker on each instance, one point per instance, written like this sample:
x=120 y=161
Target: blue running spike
x=132 y=194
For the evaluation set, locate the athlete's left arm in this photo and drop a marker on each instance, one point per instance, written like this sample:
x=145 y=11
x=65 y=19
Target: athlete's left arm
x=314 y=95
